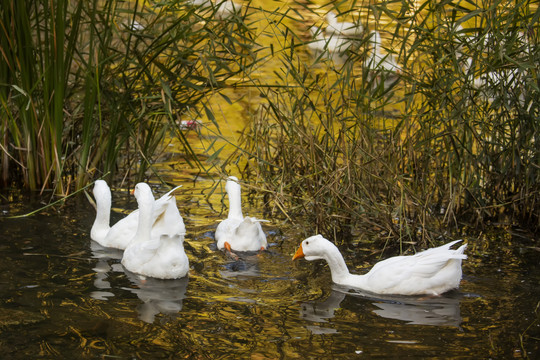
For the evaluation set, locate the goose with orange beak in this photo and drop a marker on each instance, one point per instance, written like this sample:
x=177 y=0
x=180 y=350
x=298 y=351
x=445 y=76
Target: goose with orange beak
x=239 y=233
x=433 y=271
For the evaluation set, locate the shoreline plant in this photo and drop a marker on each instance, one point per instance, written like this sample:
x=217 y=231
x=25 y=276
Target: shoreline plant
x=448 y=136
x=454 y=141
x=89 y=88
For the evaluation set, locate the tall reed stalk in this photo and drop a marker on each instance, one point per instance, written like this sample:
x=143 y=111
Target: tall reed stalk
x=93 y=87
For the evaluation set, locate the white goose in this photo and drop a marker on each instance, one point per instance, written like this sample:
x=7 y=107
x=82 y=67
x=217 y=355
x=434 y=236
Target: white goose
x=120 y=234
x=377 y=60
x=335 y=45
x=236 y=232
x=160 y=255
x=223 y=8
x=342 y=28
x=433 y=271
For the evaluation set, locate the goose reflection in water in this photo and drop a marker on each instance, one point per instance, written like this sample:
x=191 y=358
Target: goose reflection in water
x=108 y=260
x=242 y=267
x=158 y=295
x=438 y=311
x=321 y=312
x=415 y=310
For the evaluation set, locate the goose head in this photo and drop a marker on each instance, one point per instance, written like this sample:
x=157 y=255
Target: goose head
x=102 y=193
x=319 y=248
x=331 y=18
x=314 y=248
x=143 y=194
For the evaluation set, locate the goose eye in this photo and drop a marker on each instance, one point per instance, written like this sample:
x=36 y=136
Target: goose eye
x=307 y=242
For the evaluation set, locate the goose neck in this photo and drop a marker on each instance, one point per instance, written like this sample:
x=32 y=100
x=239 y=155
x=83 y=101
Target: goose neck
x=103 y=214
x=235 y=204
x=144 y=227
x=338 y=267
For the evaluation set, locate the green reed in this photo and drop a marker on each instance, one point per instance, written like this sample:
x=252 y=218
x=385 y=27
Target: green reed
x=454 y=140
x=93 y=87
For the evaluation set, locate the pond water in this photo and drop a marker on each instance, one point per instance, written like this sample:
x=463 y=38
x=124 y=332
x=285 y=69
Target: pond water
x=63 y=296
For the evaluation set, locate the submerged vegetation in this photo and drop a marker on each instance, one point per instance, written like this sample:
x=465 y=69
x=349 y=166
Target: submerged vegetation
x=447 y=133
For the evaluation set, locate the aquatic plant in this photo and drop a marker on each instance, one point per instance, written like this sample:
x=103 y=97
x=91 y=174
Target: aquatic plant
x=93 y=87
x=407 y=128
x=449 y=138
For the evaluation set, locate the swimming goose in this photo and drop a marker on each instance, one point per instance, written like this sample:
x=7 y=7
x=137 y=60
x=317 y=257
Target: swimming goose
x=120 y=234
x=223 y=9
x=433 y=271
x=159 y=253
x=236 y=232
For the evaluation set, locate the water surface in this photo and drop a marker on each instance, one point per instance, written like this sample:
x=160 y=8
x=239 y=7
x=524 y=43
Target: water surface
x=62 y=295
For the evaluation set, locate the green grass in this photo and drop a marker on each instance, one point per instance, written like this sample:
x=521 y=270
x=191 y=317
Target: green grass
x=84 y=93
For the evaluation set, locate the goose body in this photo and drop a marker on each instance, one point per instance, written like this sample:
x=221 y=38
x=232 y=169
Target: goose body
x=341 y=28
x=377 y=60
x=237 y=232
x=120 y=234
x=227 y=8
x=157 y=251
x=335 y=45
x=433 y=271
x=223 y=9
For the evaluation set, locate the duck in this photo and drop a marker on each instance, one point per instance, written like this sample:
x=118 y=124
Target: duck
x=237 y=232
x=430 y=272
x=120 y=234
x=157 y=250
x=342 y=28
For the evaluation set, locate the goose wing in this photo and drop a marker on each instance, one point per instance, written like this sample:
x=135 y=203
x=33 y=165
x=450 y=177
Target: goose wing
x=416 y=271
x=169 y=222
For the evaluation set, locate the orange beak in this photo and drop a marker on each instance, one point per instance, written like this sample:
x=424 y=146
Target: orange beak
x=227 y=246
x=132 y=192
x=299 y=253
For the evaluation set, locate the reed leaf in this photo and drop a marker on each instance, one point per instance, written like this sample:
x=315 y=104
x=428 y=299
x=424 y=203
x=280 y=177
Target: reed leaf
x=82 y=84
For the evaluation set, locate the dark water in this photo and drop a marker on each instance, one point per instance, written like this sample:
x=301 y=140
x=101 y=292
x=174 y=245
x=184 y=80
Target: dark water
x=62 y=296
